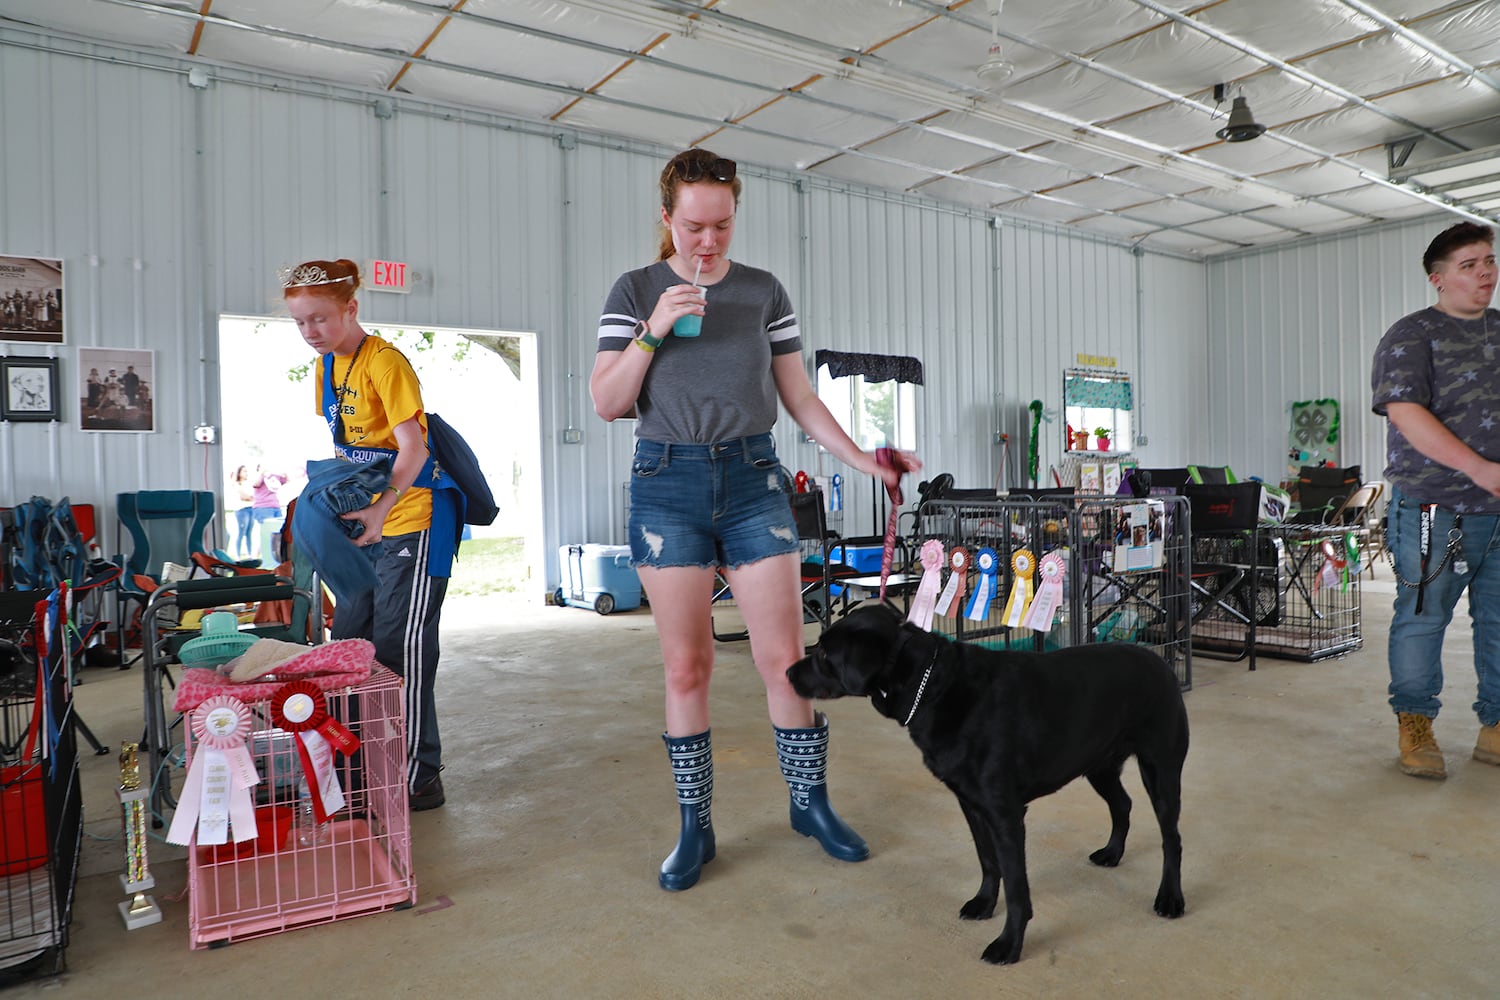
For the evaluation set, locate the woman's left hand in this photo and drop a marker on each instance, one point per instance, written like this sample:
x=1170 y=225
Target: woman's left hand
x=373 y=518
x=891 y=475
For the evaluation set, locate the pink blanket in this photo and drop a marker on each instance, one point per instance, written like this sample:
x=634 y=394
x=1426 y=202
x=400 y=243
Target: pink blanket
x=333 y=665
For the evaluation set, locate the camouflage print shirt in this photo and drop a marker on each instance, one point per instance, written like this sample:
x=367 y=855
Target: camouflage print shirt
x=1451 y=366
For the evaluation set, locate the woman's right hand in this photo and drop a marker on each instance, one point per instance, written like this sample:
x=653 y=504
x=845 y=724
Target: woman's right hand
x=674 y=303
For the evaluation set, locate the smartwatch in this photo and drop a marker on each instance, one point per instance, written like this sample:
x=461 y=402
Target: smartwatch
x=643 y=337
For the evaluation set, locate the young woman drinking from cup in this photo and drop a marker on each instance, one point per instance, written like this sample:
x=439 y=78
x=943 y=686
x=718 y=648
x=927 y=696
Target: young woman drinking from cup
x=706 y=488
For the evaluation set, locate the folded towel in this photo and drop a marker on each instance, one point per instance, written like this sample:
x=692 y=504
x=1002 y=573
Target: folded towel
x=260 y=657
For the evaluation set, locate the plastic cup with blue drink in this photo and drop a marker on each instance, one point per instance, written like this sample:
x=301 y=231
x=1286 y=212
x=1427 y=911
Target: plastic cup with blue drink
x=692 y=324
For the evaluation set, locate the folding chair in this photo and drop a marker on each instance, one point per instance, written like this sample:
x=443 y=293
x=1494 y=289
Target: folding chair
x=1321 y=490
x=163 y=526
x=819 y=572
x=73 y=556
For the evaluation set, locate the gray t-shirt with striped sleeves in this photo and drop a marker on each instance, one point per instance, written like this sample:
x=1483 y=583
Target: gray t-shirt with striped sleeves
x=716 y=386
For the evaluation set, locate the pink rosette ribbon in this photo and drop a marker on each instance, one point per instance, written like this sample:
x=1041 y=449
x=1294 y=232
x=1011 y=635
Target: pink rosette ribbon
x=299 y=707
x=924 y=602
x=215 y=800
x=951 y=599
x=1049 y=594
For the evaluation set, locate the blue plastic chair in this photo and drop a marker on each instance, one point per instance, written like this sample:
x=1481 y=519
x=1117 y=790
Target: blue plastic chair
x=163 y=525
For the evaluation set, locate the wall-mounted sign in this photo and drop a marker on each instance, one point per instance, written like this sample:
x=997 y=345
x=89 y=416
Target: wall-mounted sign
x=389 y=276
x=1096 y=360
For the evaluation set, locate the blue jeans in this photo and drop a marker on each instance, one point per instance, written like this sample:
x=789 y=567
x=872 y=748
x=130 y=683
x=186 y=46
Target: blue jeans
x=1416 y=640
x=708 y=504
x=336 y=487
x=242 y=543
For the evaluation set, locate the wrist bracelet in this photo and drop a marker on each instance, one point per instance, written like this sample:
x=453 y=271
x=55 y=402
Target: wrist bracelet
x=396 y=490
x=641 y=343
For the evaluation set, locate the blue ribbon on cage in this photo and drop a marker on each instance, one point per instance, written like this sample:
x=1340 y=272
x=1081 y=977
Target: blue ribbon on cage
x=987 y=561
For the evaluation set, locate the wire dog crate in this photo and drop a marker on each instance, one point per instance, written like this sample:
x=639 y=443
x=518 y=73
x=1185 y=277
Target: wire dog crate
x=1103 y=601
x=41 y=802
x=359 y=862
x=1297 y=598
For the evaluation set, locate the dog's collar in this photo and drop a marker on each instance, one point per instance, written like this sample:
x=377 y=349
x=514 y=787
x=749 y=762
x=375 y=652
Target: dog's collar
x=922 y=687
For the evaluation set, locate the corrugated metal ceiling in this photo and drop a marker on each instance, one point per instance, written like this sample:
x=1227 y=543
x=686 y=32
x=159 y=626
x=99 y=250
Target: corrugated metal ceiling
x=1107 y=122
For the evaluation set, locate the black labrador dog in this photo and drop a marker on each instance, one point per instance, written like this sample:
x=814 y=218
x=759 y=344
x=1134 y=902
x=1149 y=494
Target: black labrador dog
x=1002 y=728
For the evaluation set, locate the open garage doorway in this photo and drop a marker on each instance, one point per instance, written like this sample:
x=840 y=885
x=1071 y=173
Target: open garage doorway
x=482 y=382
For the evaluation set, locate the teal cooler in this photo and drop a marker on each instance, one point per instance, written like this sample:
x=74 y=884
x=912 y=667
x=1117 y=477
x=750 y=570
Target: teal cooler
x=598 y=577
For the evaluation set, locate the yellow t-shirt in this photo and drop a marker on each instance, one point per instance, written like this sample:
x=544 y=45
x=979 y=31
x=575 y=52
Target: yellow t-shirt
x=382 y=392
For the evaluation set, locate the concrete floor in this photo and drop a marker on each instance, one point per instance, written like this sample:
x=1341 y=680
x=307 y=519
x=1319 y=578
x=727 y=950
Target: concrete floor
x=1312 y=867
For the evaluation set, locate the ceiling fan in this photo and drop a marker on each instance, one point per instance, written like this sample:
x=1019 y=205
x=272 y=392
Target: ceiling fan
x=996 y=70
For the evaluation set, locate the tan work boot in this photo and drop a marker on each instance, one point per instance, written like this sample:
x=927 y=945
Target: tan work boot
x=1420 y=755
x=1487 y=747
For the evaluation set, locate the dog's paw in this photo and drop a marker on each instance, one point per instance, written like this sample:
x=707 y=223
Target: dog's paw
x=1004 y=950
x=1107 y=857
x=981 y=907
x=1170 y=904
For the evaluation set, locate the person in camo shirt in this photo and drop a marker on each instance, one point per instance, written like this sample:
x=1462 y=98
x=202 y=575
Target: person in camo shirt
x=1436 y=380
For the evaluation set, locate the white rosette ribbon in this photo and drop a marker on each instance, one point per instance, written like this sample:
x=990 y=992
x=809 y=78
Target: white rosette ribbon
x=215 y=797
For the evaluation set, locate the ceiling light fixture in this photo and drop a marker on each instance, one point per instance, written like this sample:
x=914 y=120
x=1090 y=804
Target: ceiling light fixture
x=1242 y=126
x=996 y=69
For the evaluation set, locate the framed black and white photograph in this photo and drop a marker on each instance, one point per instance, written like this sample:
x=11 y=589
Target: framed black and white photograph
x=31 y=300
x=115 y=389
x=28 y=389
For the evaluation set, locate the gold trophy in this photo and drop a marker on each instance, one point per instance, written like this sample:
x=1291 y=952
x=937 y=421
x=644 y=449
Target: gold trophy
x=140 y=910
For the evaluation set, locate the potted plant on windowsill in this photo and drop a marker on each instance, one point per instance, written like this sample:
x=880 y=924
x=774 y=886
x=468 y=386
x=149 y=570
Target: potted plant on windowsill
x=1103 y=434
x=1080 y=440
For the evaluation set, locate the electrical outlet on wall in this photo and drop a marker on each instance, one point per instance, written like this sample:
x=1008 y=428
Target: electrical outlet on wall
x=205 y=433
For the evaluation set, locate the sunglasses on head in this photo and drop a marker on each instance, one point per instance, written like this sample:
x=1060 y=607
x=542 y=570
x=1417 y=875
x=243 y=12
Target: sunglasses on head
x=718 y=169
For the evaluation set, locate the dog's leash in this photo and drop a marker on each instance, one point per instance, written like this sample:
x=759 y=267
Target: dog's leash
x=891 y=459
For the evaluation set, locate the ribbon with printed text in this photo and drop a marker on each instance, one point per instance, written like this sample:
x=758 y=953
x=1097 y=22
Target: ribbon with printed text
x=1023 y=567
x=1333 y=563
x=924 y=602
x=987 y=561
x=299 y=707
x=215 y=800
x=951 y=599
x=1049 y=593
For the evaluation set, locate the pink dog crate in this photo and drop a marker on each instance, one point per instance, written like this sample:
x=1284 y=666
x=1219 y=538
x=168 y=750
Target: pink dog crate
x=362 y=862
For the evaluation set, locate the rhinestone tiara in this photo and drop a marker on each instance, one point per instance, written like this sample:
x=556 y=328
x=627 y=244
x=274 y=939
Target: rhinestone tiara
x=307 y=274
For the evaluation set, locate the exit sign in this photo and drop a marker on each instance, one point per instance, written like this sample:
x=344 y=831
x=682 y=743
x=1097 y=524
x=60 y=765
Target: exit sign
x=389 y=276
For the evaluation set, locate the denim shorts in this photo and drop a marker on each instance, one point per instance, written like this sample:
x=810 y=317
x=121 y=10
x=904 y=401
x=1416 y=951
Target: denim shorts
x=709 y=504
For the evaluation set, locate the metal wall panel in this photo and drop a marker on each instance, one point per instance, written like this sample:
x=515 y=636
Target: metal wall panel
x=1302 y=322
x=174 y=204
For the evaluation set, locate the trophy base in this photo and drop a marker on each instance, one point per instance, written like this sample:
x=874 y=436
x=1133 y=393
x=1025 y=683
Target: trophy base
x=139 y=912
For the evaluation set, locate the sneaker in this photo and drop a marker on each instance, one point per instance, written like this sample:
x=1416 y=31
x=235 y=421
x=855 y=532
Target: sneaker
x=429 y=796
x=1420 y=755
x=1487 y=747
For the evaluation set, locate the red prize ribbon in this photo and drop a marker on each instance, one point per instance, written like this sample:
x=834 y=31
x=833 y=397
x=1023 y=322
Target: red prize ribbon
x=801 y=481
x=950 y=601
x=299 y=707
